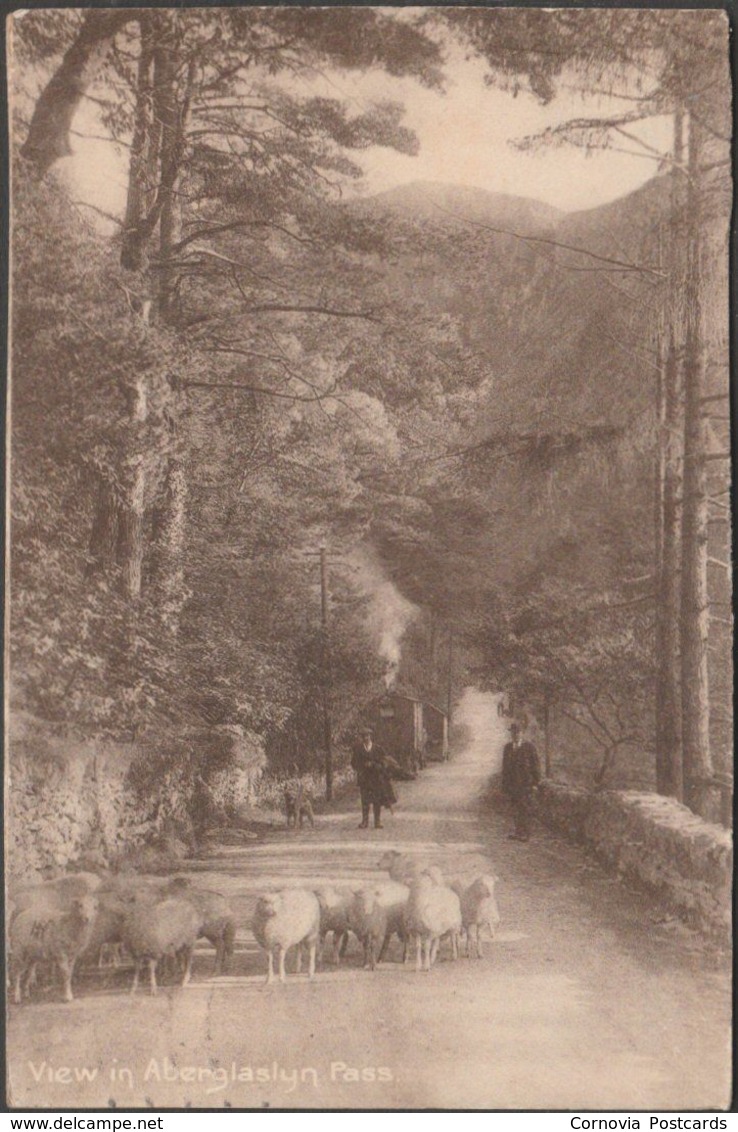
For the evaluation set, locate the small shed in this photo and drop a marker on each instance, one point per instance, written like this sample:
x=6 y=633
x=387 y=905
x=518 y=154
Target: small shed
x=411 y=730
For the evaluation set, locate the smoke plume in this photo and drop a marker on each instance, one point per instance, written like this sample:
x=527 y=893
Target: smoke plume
x=389 y=612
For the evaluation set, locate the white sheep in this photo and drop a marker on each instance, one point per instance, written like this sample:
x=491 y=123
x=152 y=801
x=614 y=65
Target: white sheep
x=116 y=898
x=152 y=932
x=399 y=866
x=368 y=918
x=393 y=896
x=107 y=928
x=334 y=917
x=433 y=911
x=49 y=935
x=55 y=893
x=478 y=909
x=217 y=923
x=287 y=919
x=131 y=887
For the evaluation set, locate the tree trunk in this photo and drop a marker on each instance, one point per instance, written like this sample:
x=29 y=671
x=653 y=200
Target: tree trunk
x=694 y=610
x=131 y=521
x=141 y=213
x=48 y=134
x=173 y=117
x=669 y=778
x=168 y=536
x=547 y=735
x=104 y=534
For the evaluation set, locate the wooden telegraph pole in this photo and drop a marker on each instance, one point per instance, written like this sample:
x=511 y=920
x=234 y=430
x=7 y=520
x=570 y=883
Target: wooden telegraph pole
x=327 y=738
x=450 y=683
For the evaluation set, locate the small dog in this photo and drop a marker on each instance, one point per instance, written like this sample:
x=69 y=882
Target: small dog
x=298 y=807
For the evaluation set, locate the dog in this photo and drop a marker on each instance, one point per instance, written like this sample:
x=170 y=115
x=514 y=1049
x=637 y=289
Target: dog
x=298 y=807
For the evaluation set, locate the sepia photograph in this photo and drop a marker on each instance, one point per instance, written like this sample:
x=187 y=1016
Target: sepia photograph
x=369 y=640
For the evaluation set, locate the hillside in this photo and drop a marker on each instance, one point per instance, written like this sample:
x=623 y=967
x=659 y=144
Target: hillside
x=547 y=321
x=552 y=487
x=440 y=202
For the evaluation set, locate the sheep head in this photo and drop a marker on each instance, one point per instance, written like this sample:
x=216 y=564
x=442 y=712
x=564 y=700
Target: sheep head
x=484 y=886
x=327 y=897
x=270 y=904
x=366 y=898
x=84 y=908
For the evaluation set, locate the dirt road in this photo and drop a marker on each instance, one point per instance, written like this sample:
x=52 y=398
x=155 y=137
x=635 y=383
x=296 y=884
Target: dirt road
x=589 y=999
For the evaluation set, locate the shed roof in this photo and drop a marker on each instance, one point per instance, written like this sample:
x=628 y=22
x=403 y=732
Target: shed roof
x=413 y=700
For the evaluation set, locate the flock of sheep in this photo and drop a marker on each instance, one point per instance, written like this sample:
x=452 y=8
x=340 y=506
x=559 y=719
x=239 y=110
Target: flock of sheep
x=415 y=904
x=82 y=917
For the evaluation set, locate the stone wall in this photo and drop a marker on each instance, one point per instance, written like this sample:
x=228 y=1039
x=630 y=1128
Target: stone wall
x=656 y=842
x=72 y=800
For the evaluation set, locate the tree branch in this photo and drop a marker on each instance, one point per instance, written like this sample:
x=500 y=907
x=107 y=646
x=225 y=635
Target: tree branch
x=551 y=243
x=311 y=309
x=256 y=389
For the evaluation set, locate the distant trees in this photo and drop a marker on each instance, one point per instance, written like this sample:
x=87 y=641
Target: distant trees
x=209 y=414
x=658 y=63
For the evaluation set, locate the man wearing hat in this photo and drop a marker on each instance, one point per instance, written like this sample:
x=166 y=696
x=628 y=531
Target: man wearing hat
x=372 y=774
x=521 y=774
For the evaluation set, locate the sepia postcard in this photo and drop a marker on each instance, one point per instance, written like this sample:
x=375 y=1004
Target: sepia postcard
x=369 y=635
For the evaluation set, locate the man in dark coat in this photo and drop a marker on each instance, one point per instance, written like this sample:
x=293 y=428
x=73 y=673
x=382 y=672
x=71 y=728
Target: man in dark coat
x=372 y=774
x=521 y=774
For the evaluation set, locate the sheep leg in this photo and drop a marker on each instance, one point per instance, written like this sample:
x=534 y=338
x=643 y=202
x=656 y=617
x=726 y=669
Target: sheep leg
x=385 y=944
x=418 y=961
x=134 y=984
x=312 y=948
x=281 y=953
x=343 y=944
x=17 y=993
x=66 y=966
x=455 y=945
x=219 y=955
x=152 y=976
x=270 y=975
x=25 y=975
x=427 y=953
x=298 y=961
x=187 y=952
x=31 y=978
x=435 y=944
x=480 y=951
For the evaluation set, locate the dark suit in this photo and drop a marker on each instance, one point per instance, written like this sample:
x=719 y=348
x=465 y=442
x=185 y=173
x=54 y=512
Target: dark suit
x=521 y=773
x=375 y=785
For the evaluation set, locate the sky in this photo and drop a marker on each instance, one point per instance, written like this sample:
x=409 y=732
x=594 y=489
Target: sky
x=466 y=134
x=465 y=138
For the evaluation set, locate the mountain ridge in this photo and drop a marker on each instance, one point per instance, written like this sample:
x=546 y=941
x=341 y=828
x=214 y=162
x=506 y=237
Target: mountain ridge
x=434 y=199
